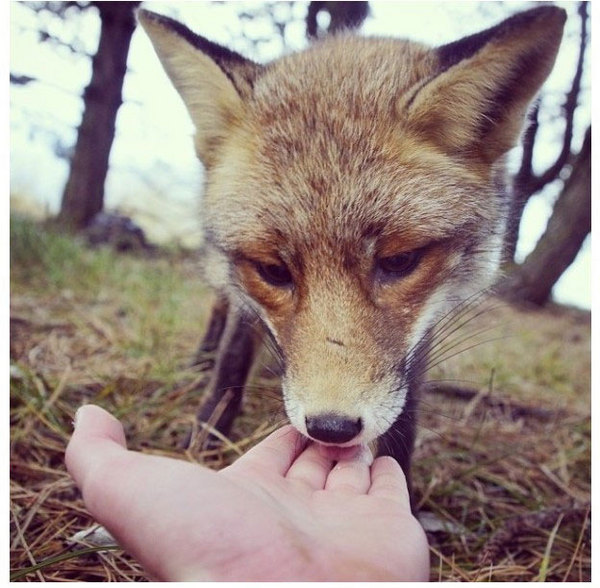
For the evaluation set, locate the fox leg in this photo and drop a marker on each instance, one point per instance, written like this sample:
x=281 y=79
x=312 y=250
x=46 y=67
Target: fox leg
x=398 y=442
x=214 y=332
x=235 y=356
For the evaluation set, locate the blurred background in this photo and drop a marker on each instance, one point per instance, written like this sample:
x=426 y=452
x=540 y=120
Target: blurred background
x=101 y=152
x=96 y=126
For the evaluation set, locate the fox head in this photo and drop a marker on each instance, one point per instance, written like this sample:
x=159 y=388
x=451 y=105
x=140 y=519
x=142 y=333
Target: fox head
x=354 y=194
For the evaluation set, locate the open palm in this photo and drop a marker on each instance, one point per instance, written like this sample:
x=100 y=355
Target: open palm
x=281 y=512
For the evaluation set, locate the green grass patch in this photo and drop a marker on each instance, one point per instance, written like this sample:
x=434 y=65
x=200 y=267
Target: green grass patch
x=151 y=308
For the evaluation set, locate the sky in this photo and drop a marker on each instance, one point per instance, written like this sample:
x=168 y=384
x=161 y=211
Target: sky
x=154 y=176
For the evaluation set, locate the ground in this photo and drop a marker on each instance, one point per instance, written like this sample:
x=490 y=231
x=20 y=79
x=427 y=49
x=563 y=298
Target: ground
x=502 y=462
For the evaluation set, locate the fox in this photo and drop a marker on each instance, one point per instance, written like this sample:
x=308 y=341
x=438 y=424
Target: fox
x=356 y=192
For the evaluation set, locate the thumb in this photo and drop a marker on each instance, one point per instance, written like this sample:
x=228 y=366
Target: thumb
x=97 y=438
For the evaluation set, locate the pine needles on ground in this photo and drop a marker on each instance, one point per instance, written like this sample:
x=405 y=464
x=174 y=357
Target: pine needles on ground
x=501 y=469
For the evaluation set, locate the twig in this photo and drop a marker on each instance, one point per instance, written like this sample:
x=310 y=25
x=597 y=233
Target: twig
x=21 y=537
x=579 y=542
x=514 y=526
x=516 y=410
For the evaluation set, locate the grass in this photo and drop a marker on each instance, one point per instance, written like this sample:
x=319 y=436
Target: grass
x=502 y=463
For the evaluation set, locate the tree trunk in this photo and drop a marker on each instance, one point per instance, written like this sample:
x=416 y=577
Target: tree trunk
x=83 y=196
x=533 y=280
x=343 y=15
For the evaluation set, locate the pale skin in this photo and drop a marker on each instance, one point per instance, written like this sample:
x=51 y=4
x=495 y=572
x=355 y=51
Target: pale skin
x=282 y=512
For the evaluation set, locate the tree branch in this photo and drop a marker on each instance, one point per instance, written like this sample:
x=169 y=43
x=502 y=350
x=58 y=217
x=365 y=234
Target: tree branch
x=58 y=8
x=526 y=182
x=525 y=173
x=570 y=222
x=45 y=36
x=21 y=80
x=569 y=107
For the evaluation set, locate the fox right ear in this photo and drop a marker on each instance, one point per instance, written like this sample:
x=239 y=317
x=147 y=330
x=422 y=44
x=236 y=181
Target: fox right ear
x=212 y=80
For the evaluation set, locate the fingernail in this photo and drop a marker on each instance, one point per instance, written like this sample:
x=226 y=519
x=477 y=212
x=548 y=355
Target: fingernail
x=366 y=455
x=77 y=417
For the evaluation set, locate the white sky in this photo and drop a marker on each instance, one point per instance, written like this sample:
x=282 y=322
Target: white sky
x=154 y=176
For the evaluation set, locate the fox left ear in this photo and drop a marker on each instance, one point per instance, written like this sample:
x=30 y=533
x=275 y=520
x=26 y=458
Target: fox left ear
x=477 y=101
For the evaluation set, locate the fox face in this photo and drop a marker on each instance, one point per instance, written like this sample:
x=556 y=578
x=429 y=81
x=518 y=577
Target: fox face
x=354 y=195
x=351 y=261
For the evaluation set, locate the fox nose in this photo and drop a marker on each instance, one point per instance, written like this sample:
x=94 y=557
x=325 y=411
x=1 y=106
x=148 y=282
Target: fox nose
x=333 y=428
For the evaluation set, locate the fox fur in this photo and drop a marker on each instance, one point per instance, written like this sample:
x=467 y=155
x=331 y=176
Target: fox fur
x=355 y=194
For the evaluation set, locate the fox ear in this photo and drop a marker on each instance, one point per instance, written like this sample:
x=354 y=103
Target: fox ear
x=212 y=80
x=477 y=101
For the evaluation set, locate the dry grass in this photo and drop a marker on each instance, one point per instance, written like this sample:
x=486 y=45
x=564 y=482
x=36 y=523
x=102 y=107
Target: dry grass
x=502 y=472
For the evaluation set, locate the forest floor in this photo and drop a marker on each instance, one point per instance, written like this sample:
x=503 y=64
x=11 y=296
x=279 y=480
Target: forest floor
x=501 y=466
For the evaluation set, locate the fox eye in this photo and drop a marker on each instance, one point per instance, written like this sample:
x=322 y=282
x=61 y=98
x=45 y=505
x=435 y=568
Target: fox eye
x=277 y=275
x=399 y=265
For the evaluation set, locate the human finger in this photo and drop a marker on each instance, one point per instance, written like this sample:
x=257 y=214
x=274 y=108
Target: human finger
x=351 y=475
x=388 y=481
x=276 y=453
x=311 y=468
x=131 y=494
x=97 y=437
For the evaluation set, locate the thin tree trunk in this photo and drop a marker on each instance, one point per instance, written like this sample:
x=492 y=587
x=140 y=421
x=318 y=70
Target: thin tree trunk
x=533 y=280
x=83 y=196
x=343 y=15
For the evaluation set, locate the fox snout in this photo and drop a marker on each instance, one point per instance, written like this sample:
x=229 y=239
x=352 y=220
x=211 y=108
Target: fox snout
x=347 y=415
x=347 y=388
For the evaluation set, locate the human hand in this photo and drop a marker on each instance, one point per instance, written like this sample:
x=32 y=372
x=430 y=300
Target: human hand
x=280 y=512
